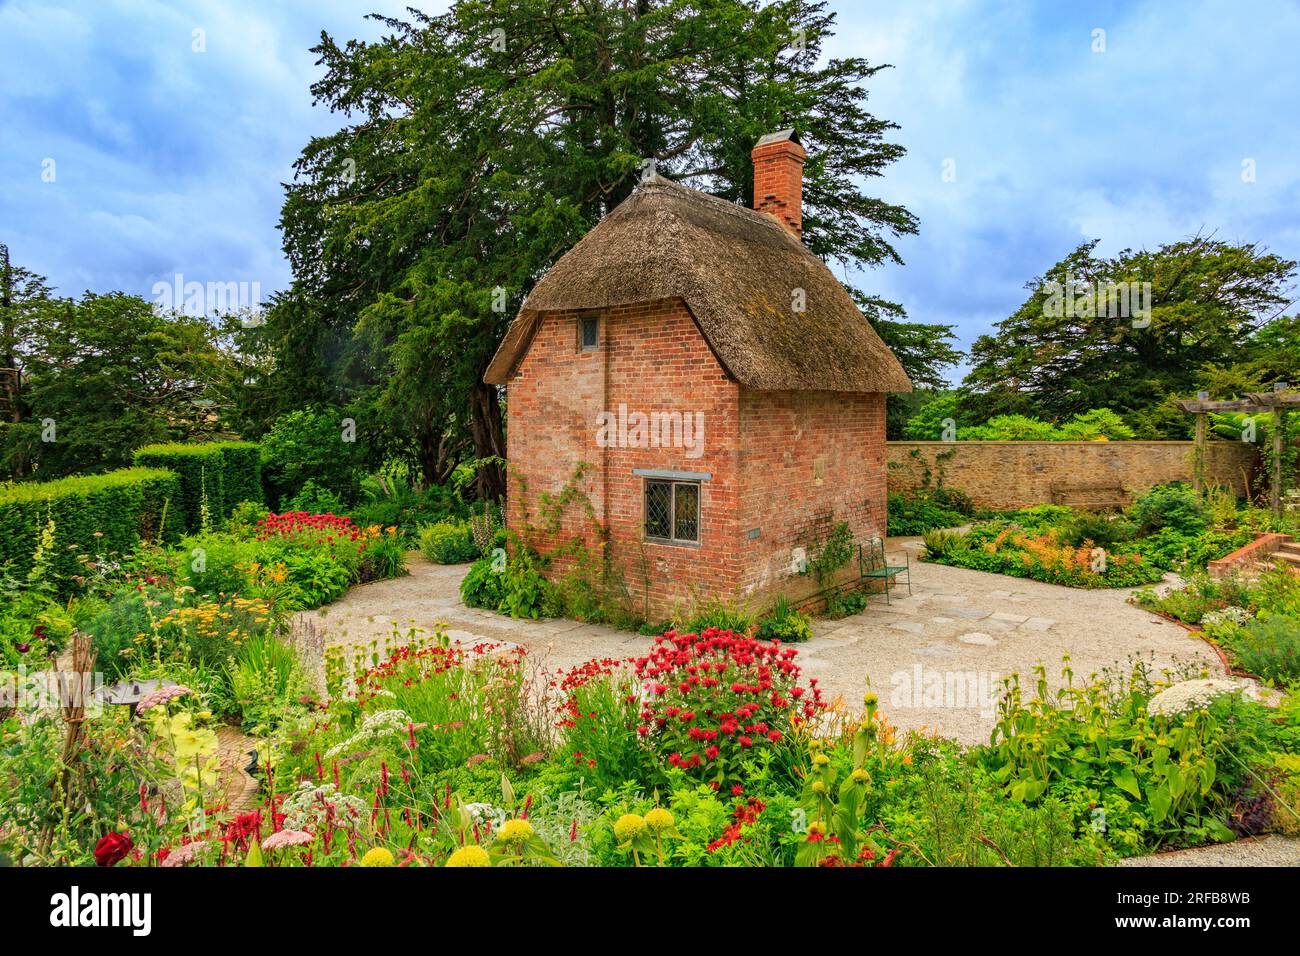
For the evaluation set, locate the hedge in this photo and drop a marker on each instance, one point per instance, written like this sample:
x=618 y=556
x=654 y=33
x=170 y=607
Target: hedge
x=125 y=507
x=228 y=472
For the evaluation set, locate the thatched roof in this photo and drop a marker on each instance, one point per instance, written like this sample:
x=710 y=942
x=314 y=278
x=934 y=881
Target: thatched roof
x=737 y=270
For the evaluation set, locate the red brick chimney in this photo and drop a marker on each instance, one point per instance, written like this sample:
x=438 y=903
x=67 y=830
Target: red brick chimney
x=778 y=178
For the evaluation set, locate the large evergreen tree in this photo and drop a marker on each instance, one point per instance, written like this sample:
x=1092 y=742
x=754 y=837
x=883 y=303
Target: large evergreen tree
x=482 y=143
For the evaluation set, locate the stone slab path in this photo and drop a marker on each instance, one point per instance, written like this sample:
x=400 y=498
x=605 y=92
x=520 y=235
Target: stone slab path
x=933 y=659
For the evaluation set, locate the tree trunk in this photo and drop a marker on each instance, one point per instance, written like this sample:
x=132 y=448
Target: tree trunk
x=487 y=429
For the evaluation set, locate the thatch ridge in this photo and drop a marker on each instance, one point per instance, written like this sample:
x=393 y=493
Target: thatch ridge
x=737 y=270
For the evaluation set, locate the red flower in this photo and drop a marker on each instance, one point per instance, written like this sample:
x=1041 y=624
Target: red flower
x=112 y=849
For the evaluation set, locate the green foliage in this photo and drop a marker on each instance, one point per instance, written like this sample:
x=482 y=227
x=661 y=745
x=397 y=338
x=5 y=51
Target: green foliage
x=1153 y=776
x=484 y=584
x=396 y=505
x=911 y=515
x=107 y=514
x=930 y=420
x=785 y=624
x=214 y=477
x=104 y=375
x=315 y=576
x=316 y=499
x=845 y=603
x=266 y=681
x=1266 y=647
x=510 y=584
x=939 y=544
x=714 y=612
x=1207 y=300
x=218 y=563
x=448 y=542
x=309 y=444
x=1175 y=506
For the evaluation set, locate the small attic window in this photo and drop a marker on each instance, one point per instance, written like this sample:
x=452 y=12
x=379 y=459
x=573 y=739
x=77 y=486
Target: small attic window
x=588 y=332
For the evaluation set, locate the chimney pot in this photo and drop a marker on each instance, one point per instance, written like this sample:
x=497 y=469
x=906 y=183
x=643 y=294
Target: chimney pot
x=778 y=178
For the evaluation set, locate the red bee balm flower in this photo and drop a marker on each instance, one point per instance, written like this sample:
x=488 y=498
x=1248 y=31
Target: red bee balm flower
x=709 y=699
x=112 y=849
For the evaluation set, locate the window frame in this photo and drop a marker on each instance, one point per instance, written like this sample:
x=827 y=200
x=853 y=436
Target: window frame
x=593 y=318
x=672 y=539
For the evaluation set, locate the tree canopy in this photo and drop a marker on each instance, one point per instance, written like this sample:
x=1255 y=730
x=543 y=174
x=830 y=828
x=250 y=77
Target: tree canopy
x=482 y=143
x=1183 y=309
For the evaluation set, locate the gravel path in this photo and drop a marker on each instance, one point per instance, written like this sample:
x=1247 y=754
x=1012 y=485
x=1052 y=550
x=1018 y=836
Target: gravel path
x=934 y=658
x=1270 y=850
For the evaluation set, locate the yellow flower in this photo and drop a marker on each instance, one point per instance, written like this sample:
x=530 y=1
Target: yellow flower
x=515 y=831
x=659 y=820
x=472 y=855
x=860 y=776
x=818 y=787
x=377 y=857
x=821 y=760
x=628 y=827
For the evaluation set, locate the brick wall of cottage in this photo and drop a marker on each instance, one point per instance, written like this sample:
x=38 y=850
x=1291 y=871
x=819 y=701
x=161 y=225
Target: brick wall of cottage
x=651 y=359
x=809 y=460
x=760 y=449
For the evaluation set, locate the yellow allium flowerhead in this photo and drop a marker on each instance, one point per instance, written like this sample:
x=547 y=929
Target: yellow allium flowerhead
x=860 y=776
x=659 y=820
x=821 y=760
x=629 y=826
x=377 y=857
x=472 y=855
x=818 y=787
x=516 y=831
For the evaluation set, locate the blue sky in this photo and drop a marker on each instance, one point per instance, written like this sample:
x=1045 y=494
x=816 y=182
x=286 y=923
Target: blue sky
x=166 y=160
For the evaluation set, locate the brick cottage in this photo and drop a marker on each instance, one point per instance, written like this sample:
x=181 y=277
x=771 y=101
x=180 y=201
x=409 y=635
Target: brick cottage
x=724 y=394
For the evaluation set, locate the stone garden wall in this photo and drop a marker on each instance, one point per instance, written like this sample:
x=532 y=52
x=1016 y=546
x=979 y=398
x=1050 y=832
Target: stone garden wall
x=1016 y=474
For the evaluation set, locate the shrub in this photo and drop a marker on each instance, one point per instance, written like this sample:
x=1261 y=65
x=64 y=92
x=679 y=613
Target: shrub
x=214 y=477
x=1097 y=736
x=845 y=603
x=939 y=543
x=315 y=576
x=1103 y=530
x=718 y=614
x=48 y=526
x=785 y=624
x=1267 y=647
x=114 y=629
x=912 y=515
x=1174 y=506
x=448 y=542
x=218 y=563
x=308 y=444
x=716 y=699
x=314 y=498
x=516 y=588
x=409 y=510
x=484 y=585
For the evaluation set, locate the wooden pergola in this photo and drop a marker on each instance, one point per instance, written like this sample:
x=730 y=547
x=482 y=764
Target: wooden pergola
x=1277 y=402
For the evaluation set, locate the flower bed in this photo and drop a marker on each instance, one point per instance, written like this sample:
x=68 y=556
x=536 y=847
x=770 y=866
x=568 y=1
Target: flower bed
x=707 y=750
x=1169 y=528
